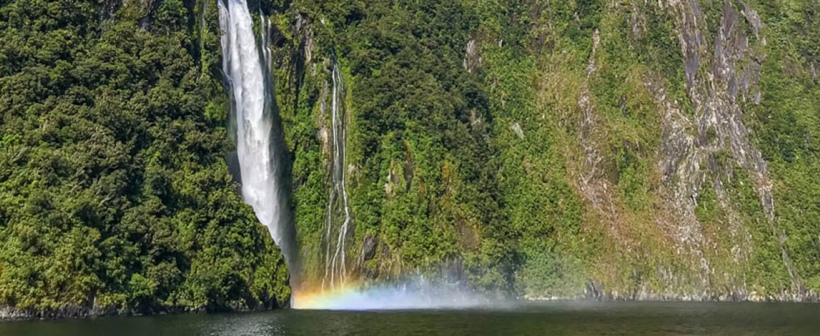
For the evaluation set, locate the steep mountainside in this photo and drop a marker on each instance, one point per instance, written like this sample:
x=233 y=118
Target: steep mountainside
x=629 y=149
x=532 y=148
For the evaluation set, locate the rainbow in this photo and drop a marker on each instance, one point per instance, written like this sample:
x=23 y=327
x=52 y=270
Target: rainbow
x=323 y=298
x=401 y=296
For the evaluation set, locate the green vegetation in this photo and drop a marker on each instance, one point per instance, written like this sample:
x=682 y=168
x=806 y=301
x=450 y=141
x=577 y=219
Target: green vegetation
x=498 y=137
x=533 y=148
x=114 y=191
x=787 y=125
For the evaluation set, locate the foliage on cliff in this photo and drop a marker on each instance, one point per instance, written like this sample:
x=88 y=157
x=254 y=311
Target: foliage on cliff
x=530 y=147
x=114 y=191
x=548 y=147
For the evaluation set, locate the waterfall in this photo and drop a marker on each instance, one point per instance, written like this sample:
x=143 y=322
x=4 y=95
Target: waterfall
x=335 y=263
x=246 y=66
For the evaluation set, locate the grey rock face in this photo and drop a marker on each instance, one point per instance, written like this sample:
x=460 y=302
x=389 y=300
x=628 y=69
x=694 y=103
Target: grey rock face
x=692 y=142
x=472 y=58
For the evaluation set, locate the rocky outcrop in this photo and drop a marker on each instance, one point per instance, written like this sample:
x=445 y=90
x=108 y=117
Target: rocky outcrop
x=472 y=57
x=704 y=146
x=692 y=143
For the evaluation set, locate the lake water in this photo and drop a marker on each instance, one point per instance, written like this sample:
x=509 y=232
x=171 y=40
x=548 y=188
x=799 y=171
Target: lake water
x=558 y=318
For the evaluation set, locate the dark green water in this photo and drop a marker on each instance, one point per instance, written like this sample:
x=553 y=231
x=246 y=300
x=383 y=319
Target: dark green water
x=536 y=319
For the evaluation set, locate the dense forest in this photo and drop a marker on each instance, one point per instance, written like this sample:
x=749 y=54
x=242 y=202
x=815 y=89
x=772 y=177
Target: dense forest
x=529 y=148
x=115 y=194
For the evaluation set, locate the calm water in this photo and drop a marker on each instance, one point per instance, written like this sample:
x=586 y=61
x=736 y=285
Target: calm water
x=536 y=319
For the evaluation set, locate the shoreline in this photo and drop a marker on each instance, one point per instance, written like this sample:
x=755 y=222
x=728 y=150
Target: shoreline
x=689 y=298
x=75 y=312
x=8 y=314
x=595 y=292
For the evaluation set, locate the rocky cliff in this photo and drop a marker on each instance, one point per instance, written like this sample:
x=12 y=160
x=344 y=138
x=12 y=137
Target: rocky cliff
x=533 y=148
x=634 y=149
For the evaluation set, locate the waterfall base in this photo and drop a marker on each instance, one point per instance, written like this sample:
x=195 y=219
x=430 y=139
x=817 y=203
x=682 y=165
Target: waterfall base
x=413 y=294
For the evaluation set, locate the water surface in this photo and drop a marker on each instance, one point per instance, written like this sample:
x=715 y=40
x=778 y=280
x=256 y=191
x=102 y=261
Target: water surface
x=557 y=318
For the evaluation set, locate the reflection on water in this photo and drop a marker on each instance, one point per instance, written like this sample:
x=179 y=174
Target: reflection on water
x=525 y=319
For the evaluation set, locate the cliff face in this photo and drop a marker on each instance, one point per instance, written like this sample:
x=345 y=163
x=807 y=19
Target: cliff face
x=608 y=149
x=627 y=149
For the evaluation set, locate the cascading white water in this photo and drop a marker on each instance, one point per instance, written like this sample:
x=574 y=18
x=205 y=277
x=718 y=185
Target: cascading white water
x=335 y=263
x=252 y=102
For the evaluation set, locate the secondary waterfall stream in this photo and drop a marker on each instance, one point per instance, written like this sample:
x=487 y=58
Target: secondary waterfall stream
x=335 y=263
x=249 y=79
